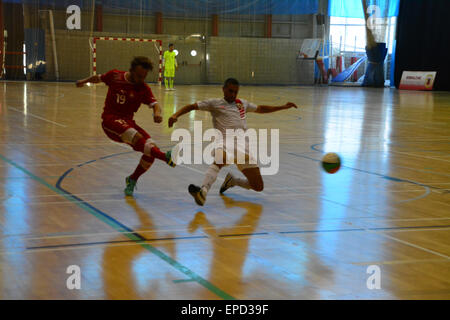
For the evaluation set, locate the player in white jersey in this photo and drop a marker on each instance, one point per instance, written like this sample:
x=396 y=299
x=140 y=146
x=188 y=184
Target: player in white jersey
x=229 y=113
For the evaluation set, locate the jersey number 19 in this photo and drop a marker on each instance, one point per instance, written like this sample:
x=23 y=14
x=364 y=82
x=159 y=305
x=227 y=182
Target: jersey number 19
x=121 y=98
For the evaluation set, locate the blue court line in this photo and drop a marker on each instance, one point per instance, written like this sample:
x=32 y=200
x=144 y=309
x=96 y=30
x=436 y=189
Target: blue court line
x=244 y=234
x=372 y=173
x=182 y=280
x=364 y=229
x=314 y=147
x=80 y=244
x=80 y=165
x=416 y=227
x=116 y=225
x=230 y=235
x=320 y=231
x=115 y=154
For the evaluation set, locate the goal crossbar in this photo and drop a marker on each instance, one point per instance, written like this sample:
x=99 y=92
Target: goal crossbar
x=94 y=51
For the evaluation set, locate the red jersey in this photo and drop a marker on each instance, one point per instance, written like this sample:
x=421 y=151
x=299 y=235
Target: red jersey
x=124 y=98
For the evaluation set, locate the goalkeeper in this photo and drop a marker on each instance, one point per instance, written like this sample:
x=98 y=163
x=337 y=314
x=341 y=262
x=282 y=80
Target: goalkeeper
x=169 y=65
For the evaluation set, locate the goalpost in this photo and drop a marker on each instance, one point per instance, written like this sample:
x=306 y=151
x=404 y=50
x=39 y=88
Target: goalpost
x=116 y=53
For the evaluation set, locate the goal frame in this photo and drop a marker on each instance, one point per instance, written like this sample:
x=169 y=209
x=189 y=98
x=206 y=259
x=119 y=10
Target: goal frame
x=94 y=51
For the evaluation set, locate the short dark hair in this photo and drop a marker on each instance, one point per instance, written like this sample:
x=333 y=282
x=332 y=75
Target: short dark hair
x=230 y=81
x=144 y=62
x=170 y=45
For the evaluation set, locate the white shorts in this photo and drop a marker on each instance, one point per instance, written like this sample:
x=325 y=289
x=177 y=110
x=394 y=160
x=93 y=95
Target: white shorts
x=242 y=157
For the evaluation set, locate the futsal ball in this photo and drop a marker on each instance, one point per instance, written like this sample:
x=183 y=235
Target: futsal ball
x=331 y=162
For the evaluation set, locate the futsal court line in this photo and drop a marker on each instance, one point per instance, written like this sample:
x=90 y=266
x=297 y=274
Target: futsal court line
x=198 y=171
x=102 y=244
x=419 y=156
x=369 y=172
x=381 y=233
x=81 y=244
x=277 y=233
x=412 y=245
x=62 y=235
x=375 y=230
x=443 y=139
x=122 y=229
x=293 y=192
x=391 y=262
x=425 y=171
x=183 y=194
x=37 y=117
x=401 y=241
x=141 y=240
x=424 y=184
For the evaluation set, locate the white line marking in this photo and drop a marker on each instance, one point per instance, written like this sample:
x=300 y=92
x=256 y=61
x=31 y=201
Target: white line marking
x=412 y=245
x=37 y=117
x=419 y=156
x=192 y=169
x=398 y=262
x=89 y=246
x=168 y=197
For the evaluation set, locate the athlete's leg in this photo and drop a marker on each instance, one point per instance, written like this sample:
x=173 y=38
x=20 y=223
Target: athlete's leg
x=167 y=76
x=148 y=147
x=143 y=166
x=127 y=131
x=253 y=179
x=249 y=168
x=133 y=137
x=199 y=193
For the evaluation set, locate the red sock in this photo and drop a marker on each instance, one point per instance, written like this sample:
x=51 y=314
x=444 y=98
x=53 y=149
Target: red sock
x=154 y=151
x=143 y=166
x=158 y=154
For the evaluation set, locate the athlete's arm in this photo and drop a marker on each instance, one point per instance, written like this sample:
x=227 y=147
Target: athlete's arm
x=268 y=109
x=157 y=113
x=179 y=113
x=94 y=79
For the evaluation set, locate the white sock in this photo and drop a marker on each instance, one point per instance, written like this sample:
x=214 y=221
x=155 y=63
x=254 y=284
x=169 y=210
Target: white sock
x=243 y=183
x=210 y=177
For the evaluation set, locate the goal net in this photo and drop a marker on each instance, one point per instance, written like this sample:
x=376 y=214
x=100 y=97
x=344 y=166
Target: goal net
x=116 y=53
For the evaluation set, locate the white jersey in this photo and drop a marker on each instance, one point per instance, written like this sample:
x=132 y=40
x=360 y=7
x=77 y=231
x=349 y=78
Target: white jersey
x=226 y=115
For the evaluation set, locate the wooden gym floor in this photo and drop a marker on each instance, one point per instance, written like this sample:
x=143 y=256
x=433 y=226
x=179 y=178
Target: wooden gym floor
x=308 y=235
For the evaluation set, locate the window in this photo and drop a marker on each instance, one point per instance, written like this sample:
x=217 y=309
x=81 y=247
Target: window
x=349 y=34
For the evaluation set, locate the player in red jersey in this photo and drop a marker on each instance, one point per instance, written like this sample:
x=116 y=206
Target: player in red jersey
x=126 y=92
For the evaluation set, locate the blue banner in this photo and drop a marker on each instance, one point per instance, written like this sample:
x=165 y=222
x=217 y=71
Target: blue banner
x=50 y=4
x=208 y=7
x=187 y=7
x=354 y=8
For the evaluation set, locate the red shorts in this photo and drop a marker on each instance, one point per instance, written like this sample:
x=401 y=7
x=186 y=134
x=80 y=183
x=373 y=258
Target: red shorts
x=114 y=127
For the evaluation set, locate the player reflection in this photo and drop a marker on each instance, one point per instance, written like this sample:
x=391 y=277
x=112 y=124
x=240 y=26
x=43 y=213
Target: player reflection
x=123 y=275
x=122 y=280
x=229 y=256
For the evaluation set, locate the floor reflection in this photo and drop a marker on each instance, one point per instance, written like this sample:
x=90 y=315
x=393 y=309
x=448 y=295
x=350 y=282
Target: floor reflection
x=225 y=251
x=131 y=274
